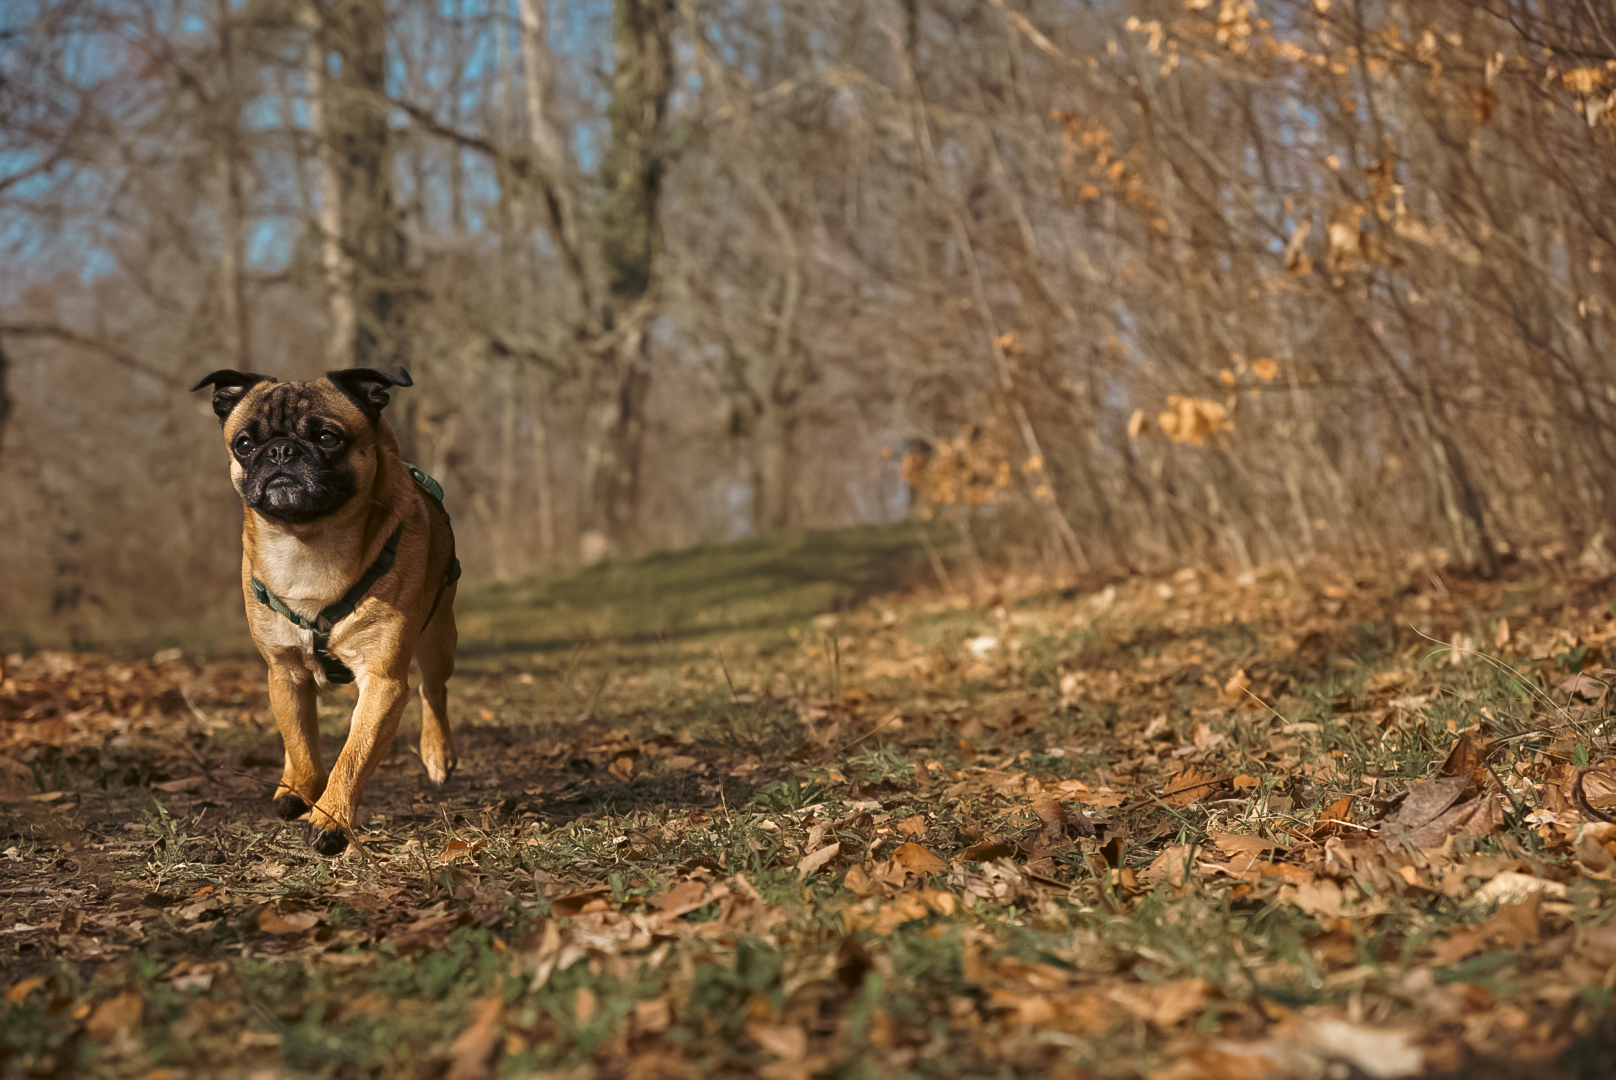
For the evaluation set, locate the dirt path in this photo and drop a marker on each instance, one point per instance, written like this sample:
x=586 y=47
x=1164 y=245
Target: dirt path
x=1179 y=828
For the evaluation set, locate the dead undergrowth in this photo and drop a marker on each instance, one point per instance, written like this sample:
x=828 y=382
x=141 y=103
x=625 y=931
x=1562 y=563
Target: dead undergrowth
x=1176 y=828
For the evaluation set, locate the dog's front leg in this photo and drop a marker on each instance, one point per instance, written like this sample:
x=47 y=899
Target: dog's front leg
x=292 y=700
x=375 y=722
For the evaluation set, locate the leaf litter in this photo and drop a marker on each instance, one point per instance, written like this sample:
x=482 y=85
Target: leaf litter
x=1194 y=828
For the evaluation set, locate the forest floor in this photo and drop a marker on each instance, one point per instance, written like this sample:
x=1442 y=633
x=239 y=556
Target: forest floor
x=786 y=809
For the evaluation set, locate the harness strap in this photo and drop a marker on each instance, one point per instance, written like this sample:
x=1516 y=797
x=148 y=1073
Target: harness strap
x=451 y=575
x=336 y=672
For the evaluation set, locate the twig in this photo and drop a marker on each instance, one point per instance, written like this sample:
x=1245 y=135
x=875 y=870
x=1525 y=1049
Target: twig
x=867 y=734
x=1500 y=665
x=347 y=831
x=1581 y=798
x=734 y=698
x=1264 y=704
x=599 y=690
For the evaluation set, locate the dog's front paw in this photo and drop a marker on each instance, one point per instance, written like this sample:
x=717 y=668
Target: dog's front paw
x=329 y=835
x=289 y=807
x=439 y=761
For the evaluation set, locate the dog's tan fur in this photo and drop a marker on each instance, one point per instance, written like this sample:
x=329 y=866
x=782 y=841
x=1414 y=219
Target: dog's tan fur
x=312 y=565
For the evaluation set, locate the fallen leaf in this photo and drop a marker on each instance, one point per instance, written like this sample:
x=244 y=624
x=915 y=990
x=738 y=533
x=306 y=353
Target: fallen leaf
x=788 y=1042
x=1190 y=786
x=470 y=1052
x=1235 y=690
x=185 y=786
x=579 y=902
x=987 y=851
x=1318 y=897
x=858 y=881
x=917 y=860
x=1423 y=804
x=1174 y=864
x=1381 y=1053
x=1239 y=843
x=817 y=860
x=682 y=899
x=20 y=990
x=914 y=826
x=1512 y=887
x=455 y=850
x=295 y=923
x=652 y=1017
x=114 y=1018
x=1166 y=1005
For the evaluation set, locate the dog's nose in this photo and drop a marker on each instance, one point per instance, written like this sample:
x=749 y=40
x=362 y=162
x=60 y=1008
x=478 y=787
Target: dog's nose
x=281 y=451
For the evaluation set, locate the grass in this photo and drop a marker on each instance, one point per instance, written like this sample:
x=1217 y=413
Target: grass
x=704 y=720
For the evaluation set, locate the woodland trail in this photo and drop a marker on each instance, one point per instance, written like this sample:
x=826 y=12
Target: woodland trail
x=742 y=812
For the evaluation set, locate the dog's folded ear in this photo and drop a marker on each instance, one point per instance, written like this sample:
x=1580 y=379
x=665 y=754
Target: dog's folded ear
x=367 y=387
x=229 y=387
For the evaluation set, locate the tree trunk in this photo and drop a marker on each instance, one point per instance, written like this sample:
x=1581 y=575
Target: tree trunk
x=631 y=176
x=232 y=203
x=550 y=161
x=5 y=396
x=334 y=261
x=631 y=170
x=771 y=461
x=544 y=483
x=361 y=230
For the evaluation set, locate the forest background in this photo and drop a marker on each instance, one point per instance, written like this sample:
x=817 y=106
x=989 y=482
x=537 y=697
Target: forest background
x=1121 y=284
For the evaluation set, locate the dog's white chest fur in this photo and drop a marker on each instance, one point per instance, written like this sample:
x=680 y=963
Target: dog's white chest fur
x=304 y=576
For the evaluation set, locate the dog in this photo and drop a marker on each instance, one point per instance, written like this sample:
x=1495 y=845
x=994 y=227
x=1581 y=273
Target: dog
x=349 y=573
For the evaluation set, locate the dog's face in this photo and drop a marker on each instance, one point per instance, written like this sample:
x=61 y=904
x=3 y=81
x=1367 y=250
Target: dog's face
x=300 y=451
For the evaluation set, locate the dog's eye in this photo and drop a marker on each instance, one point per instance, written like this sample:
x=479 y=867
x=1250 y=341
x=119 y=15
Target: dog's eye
x=329 y=440
x=244 y=445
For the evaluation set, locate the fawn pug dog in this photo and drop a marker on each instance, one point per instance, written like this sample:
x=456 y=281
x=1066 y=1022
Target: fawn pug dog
x=348 y=570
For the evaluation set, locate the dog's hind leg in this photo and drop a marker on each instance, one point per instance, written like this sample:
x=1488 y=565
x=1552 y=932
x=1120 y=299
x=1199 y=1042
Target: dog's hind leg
x=292 y=700
x=435 y=654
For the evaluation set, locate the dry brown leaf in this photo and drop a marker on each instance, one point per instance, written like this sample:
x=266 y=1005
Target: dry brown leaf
x=1512 y=887
x=1166 y=1005
x=817 y=860
x=115 y=1018
x=1318 y=897
x=1234 y=691
x=19 y=991
x=914 y=826
x=788 y=1042
x=1428 y=799
x=178 y=787
x=1190 y=786
x=459 y=849
x=1192 y=420
x=584 y=1004
x=987 y=851
x=682 y=899
x=594 y=899
x=294 y=923
x=1174 y=864
x=470 y=1052
x=917 y=860
x=652 y=1017
x=1238 y=843
x=1380 y=1053
x=859 y=882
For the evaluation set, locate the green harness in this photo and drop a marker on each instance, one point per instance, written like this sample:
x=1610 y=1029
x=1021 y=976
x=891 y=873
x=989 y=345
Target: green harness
x=336 y=672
